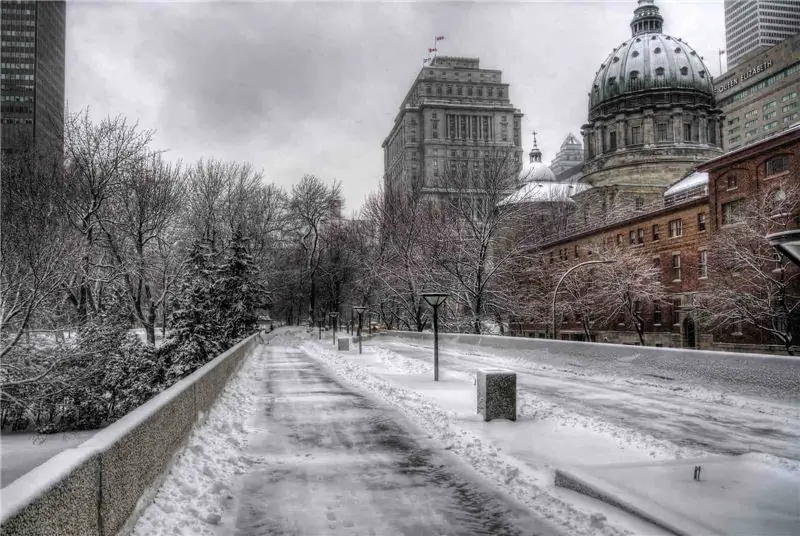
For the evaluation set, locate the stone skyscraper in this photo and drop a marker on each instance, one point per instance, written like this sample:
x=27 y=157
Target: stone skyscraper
x=32 y=72
x=454 y=114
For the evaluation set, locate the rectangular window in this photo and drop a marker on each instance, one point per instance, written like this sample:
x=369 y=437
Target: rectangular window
x=675 y=228
x=750 y=123
x=657 y=267
x=779 y=164
x=632 y=238
x=789 y=107
x=789 y=96
x=676 y=267
x=751 y=133
x=703 y=264
x=770 y=115
x=733 y=121
x=577 y=253
x=770 y=125
x=701 y=222
x=751 y=114
x=770 y=105
x=640 y=236
x=612 y=140
x=619 y=239
x=636 y=135
x=732 y=181
x=657 y=313
x=655 y=232
x=733 y=131
x=687 y=132
x=676 y=311
x=734 y=139
x=661 y=132
x=732 y=212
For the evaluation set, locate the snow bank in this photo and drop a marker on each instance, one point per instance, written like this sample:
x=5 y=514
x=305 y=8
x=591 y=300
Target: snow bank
x=198 y=488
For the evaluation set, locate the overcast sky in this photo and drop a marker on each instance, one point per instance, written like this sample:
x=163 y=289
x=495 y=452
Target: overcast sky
x=313 y=87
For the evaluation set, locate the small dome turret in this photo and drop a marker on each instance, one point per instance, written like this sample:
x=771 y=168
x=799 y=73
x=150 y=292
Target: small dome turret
x=536 y=170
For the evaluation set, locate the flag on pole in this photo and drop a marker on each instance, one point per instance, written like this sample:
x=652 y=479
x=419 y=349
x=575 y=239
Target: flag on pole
x=431 y=50
x=439 y=37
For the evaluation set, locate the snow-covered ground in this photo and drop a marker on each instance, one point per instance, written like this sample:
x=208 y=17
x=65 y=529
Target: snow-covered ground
x=570 y=414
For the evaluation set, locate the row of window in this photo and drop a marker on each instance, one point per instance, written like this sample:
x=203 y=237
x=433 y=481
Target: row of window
x=460 y=91
x=21 y=44
x=7 y=76
x=16 y=98
x=19 y=33
x=6 y=65
x=677 y=272
x=17 y=121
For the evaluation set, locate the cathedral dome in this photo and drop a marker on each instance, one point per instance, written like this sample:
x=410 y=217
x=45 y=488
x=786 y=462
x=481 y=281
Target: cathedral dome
x=536 y=170
x=649 y=60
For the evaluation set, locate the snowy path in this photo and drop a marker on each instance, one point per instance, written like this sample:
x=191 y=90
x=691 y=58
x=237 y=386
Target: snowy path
x=714 y=419
x=333 y=462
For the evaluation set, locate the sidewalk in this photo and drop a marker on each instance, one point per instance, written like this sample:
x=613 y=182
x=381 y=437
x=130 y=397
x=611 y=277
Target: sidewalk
x=330 y=461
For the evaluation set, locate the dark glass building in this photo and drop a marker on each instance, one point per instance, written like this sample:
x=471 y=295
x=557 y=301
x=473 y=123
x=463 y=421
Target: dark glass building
x=32 y=72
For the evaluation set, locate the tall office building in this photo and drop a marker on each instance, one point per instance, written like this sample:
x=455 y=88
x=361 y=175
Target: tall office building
x=32 y=72
x=454 y=114
x=751 y=24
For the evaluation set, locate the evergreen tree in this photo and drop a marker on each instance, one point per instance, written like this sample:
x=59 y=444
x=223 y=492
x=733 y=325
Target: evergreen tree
x=237 y=291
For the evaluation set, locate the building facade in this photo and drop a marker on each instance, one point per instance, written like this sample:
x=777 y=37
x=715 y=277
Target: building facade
x=676 y=234
x=569 y=159
x=455 y=113
x=753 y=24
x=761 y=95
x=652 y=117
x=32 y=72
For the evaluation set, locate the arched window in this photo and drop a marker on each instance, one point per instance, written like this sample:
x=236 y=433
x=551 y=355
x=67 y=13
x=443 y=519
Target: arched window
x=659 y=71
x=634 y=75
x=776 y=165
x=684 y=71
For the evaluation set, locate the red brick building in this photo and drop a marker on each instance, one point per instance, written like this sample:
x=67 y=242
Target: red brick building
x=675 y=232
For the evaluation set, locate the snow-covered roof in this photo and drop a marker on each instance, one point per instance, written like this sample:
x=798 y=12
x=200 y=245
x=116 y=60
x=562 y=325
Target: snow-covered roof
x=545 y=191
x=695 y=180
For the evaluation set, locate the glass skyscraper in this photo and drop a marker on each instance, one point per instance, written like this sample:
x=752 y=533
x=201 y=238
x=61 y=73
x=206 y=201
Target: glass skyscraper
x=32 y=72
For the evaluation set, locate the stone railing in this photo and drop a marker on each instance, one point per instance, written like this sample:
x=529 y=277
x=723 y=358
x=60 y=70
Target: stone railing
x=98 y=487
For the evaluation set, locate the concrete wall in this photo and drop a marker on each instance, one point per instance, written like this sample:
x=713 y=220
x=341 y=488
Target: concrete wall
x=98 y=487
x=758 y=371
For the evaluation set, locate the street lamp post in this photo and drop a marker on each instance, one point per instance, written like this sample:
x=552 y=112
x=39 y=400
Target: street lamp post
x=360 y=310
x=555 y=292
x=435 y=299
x=333 y=322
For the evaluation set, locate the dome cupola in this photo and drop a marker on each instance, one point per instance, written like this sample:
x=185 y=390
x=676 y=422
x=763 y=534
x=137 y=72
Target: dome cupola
x=536 y=170
x=646 y=19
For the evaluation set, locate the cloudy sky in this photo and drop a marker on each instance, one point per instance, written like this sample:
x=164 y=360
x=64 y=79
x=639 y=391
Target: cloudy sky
x=313 y=87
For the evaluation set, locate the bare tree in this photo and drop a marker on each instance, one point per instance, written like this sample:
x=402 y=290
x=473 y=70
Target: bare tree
x=312 y=205
x=478 y=240
x=749 y=283
x=136 y=226
x=96 y=157
x=630 y=285
x=36 y=242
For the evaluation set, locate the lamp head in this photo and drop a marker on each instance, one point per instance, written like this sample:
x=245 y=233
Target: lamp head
x=787 y=243
x=435 y=299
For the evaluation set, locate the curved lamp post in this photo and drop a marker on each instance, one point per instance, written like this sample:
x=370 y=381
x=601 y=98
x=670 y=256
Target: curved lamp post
x=435 y=299
x=333 y=321
x=360 y=310
x=787 y=243
x=555 y=292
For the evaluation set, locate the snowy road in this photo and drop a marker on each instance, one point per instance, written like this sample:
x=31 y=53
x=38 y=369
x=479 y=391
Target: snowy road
x=712 y=418
x=330 y=461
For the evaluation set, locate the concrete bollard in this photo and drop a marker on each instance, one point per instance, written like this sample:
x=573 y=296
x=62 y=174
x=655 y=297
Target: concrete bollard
x=344 y=344
x=497 y=394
